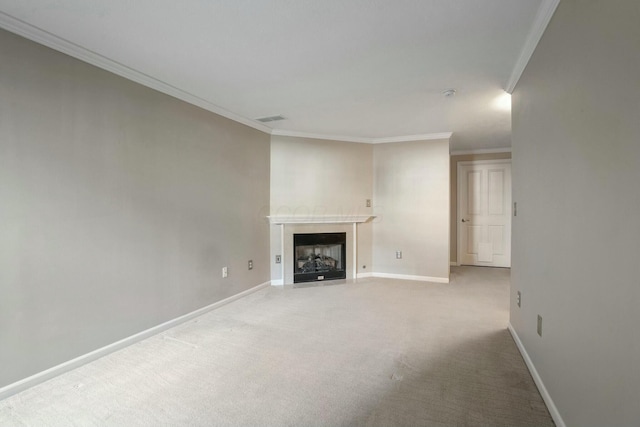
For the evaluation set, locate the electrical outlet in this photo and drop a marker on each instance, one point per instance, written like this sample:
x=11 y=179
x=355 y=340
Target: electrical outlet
x=225 y=272
x=398 y=254
x=250 y=264
x=278 y=259
x=539 y=325
x=519 y=299
x=368 y=203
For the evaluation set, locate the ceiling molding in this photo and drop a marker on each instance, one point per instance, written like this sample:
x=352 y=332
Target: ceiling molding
x=406 y=138
x=284 y=132
x=45 y=38
x=482 y=151
x=545 y=12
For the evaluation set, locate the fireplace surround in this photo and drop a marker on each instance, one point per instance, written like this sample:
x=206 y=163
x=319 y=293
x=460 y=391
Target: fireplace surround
x=288 y=225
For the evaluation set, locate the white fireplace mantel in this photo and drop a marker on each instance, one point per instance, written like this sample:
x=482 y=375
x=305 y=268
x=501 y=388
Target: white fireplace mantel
x=320 y=219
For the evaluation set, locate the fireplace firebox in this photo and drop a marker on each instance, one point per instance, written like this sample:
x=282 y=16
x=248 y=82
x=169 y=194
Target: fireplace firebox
x=319 y=256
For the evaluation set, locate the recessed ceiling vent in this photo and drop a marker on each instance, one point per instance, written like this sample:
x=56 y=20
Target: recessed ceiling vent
x=270 y=119
x=449 y=93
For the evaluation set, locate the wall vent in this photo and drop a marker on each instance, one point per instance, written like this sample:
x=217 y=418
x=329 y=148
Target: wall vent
x=270 y=119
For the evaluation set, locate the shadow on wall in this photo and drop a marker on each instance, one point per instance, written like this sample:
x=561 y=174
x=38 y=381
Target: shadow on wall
x=481 y=382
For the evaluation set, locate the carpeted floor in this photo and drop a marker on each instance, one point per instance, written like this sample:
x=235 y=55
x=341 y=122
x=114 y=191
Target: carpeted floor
x=378 y=352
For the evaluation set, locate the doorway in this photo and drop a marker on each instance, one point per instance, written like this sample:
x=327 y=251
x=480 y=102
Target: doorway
x=484 y=213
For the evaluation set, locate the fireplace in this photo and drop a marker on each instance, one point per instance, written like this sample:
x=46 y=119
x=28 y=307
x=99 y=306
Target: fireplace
x=319 y=256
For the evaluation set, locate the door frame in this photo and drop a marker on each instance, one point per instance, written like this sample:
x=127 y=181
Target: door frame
x=459 y=199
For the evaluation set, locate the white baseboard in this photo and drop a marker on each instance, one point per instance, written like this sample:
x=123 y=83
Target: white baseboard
x=364 y=275
x=278 y=282
x=69 y=365
x=553 y=410
x=410 y=277
x=454 y=264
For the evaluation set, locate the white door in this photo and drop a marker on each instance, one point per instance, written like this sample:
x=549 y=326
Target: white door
x=484 y=213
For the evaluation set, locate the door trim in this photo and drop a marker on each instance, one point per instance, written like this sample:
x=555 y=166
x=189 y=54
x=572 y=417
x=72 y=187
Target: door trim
x=459 y=197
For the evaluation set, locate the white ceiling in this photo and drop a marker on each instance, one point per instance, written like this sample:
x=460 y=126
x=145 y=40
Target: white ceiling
x=368 y=70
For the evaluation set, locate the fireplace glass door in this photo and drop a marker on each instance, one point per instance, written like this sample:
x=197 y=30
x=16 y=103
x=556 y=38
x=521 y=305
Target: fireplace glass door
x=319 y=256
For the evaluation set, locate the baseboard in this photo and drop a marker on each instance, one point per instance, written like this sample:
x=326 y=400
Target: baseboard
x=410 y=277
x=278 y=282
x=454 y=264
x=43 y=376
x=553 y=410
x=364 y=275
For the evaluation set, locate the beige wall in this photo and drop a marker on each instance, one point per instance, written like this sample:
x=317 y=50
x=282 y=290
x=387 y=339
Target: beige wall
x=454 y=192
x=320 y=177
x=411 y=194
x=118 y=208
x=576 y=169
x=314 y=177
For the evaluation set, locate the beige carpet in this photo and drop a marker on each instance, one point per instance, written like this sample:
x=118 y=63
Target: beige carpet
x=378 y=352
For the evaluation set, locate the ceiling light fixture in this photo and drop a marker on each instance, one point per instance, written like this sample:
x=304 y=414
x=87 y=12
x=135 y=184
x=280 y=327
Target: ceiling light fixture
x=449 y=93
x=502 y=102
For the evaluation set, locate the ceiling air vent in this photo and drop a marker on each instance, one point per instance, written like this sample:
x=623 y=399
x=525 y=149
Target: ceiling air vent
x=270 y=119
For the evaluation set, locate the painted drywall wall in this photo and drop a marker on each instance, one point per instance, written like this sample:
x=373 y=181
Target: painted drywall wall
x=576 y=164
x=320 y=177
x=315 y=177
x=454 y=192
x=118 y=208
x=411 y=190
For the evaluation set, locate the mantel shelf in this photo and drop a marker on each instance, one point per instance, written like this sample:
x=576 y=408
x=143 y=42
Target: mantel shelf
x=320 y=219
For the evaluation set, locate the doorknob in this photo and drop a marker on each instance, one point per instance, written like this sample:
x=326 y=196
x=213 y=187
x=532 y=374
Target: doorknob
x=466 y=220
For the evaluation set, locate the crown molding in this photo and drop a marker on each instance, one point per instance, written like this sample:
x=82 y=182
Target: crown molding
x=363 y=140
x=284 y=132
x=545 y=12
x=45 y=38
x=407 y=138
x=482 y=151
